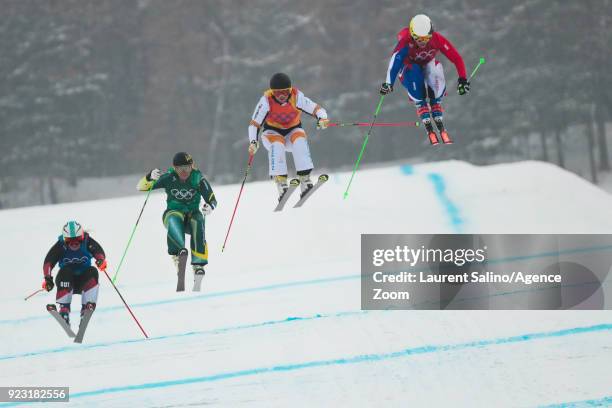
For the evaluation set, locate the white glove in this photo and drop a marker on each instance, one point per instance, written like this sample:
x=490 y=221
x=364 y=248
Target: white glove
x=322 y=123
x=253 y=146
x=155 y=174
x=206 y=209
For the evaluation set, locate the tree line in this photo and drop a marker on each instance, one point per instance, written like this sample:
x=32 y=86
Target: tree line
x=110 y=87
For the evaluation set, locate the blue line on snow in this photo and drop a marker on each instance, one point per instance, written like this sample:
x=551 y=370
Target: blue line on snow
x=550 y=253
x=407 y=169
x=271 y=322
x=205 y=296
x=451 y=209
x=440 y=188
x=601 y=402
x=349 y=360
x=306 y=283
x=178 y=335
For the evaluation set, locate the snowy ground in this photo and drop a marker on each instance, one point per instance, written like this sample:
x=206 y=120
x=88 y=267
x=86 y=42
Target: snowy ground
x=279 y=322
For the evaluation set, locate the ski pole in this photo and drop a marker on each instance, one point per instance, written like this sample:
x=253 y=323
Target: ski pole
x=125 y=303
x=390 y=124
x=246 y=173
x=132 y=234
x=39 y=290
x=365 y=142
x=480 y=62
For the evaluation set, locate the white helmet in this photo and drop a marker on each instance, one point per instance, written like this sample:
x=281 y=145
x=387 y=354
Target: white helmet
x=72 y=230
x=420 y=26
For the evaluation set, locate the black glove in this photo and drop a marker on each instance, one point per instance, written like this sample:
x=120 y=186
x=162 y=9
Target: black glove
x=386 y=88
x=48 y=285
x=463 y=86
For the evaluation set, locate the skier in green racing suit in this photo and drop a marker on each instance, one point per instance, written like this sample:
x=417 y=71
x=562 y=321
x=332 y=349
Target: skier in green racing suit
x=184 y=185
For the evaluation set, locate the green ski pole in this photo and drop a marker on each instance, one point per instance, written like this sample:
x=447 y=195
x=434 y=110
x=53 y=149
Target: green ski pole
x=480 y=62
x=132 y=234
x=365 y=142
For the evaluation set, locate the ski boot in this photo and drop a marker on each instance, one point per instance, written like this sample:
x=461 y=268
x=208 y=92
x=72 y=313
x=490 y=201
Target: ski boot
x=198 y=275
x=62 y=320
x=425 y=115
x=281 y=185
x=176 y=259
x=431 y=133
x=88 y=306
x=443 y=133
x=180 y=261
x=64 y=312
x=86 y=312
x=305 y=184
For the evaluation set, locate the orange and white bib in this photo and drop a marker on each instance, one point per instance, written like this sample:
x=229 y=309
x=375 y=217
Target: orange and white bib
x=283 y=116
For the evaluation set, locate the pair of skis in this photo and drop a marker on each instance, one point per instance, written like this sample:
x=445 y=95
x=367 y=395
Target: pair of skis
x=433 y=136
x=182 y=265
x=85 y=317
x=293 y=185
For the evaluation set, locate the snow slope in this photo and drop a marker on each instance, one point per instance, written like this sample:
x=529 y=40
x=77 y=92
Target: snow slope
x=279 y=321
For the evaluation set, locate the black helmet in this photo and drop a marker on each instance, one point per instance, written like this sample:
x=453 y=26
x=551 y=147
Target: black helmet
x=182 y=159
x=280 y=81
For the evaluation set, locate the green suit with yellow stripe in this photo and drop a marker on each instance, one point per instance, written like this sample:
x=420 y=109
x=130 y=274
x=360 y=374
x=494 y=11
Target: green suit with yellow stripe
x=183 y=215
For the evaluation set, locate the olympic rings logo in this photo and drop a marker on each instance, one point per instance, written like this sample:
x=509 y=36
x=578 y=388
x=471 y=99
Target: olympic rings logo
x=183 y=194
x=80 y=260
x=423 y=55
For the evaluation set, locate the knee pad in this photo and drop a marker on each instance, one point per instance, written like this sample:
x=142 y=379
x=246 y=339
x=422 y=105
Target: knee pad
x=423 y=112
x=274 y=138
x=296 y=135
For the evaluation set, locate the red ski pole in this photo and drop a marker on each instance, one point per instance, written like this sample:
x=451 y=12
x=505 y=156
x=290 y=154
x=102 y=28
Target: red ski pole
x=125 y=303
x=39 y=290
x=246 y=173
x=383 y=124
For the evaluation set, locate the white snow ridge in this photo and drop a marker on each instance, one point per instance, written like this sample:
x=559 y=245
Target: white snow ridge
x=278 y=322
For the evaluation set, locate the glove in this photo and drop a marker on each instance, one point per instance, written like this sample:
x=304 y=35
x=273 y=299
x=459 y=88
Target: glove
x=48 y=283
x=253 y=146
x=101 y=264
x=386 y=88
x=463 y=86
x=154 y=174
x=322 y=123
x=206 y=209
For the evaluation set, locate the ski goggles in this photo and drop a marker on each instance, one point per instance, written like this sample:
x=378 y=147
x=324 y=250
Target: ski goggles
x=73 y=241
x=185 y=168
x=278 y=93
x=423 y=39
